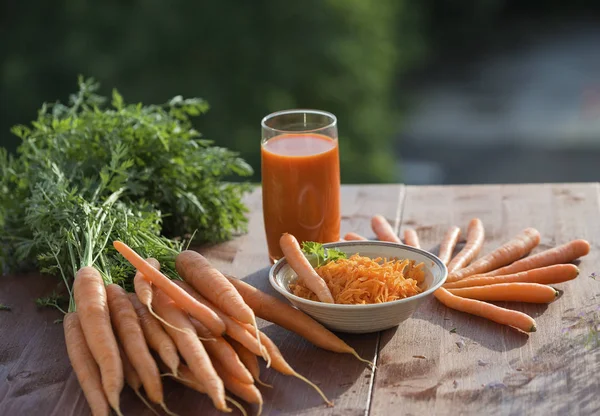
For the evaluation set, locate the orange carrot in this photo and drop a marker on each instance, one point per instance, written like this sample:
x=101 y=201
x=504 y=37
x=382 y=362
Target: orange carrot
x=92 y=309
x=245 y=391
x=300 y=264
x=494 y=313
x=273 y=310
x=282 y=366
x=212 y=285
x=222 y=351
x=383 y=230
x=143 y=286
x=475 y=237
x=129 y=332
x=509 y=292
x=448 y=244
x=204 y=315
x=510 y=251
x=411 y=238
x=155 y=335
x=353 y=237
x=557 y=273
x=234 y=329
x=249 y=360
x=191 y=348
x=133 y=379
x=565 y=253
x=84 y=366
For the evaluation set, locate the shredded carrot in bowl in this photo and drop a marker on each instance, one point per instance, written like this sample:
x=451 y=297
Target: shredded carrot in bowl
x=360 y=280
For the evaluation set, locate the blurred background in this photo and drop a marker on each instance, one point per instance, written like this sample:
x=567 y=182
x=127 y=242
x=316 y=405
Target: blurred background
x=426 y=92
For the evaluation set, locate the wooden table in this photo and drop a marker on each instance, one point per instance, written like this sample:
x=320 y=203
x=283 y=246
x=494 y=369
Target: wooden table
x=439 y=362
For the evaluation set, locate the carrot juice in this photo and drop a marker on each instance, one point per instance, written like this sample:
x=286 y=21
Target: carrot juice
x=301 y=189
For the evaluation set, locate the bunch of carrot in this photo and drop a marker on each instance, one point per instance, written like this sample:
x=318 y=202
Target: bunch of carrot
x=200 y=330
x=505 y=274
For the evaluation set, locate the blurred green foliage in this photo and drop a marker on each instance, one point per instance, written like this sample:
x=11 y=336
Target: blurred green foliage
x=246 y=58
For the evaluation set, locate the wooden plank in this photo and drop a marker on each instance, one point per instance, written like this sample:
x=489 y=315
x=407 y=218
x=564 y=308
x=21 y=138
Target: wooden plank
x=484 y=367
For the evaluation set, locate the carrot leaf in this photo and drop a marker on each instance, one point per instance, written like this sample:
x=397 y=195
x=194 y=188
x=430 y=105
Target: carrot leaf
x=319 y=255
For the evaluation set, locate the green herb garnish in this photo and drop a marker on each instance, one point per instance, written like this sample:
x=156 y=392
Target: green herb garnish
x=319 y=255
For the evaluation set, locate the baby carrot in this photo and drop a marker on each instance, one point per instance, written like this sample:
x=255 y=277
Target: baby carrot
x=249 y=360
x=509 y=292
x=204 y=315
x=510 y=251
x=273 y=310
x=565 y=253
x=92 y=308
x=245 y=391
x=84 y=365
x=557 y=273
x=475 y=237
x=448 y=244
x=190 y=348
x=300 y=264
x=221 y=350
x=353 y=237
x=234 y=329
x=383 y=230
x=129 y=332
x=494 y=313
x=155 y=335
x=411 y=238
x=133 y=380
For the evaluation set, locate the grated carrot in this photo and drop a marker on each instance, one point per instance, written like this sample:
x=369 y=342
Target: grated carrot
x=362 y=280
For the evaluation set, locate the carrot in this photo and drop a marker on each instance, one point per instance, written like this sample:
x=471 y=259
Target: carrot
x=143 y=288
x=509 y=292
x=353 y=237
x=133 y=379
x=191 y=348
x=245 y=391
x=565 y=253
x=249 y=360
x=207 y=317
x=84 y=366
x=92 y=308
x=188 y=379
x=475 y=237
x=280 y=365
x=557 y=273
x=448 y=244
x=233 y=328
x=300 y=264
x=222 y=351
x=212 y=285
x=129 y=332
x=510 y=251
x=155 y=335
x=411 y=238
x=494 y=313
x=274 y=310
x=383 y=230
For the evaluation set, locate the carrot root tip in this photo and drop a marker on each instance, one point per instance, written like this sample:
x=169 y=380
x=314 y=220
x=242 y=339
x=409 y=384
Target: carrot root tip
x=533 y=328
x=313 y=385
x=149 y=306
x=236 y=404
x=166 y=409
x=262 y=383
x=370 y=363
x=146 y=403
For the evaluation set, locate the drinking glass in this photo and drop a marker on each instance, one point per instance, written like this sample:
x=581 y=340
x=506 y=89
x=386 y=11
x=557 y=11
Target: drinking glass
x=300 y=170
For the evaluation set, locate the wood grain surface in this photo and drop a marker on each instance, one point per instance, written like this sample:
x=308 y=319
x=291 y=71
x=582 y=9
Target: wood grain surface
x=439 y=362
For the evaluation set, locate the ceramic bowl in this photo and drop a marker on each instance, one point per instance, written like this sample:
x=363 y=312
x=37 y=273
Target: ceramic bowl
x=364 y=318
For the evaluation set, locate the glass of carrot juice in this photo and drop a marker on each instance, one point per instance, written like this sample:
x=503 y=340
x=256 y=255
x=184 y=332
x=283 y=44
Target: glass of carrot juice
x=300 y=168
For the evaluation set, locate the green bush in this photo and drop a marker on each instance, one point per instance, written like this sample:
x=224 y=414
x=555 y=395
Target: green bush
x=246 y=58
